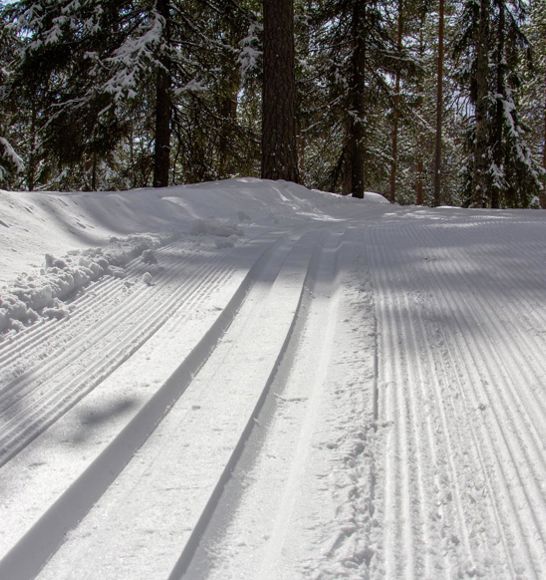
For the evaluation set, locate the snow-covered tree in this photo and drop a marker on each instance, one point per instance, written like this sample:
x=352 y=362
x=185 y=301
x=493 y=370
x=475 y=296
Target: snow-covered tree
x=96 y=64
x=10 y=161
x=501 y=170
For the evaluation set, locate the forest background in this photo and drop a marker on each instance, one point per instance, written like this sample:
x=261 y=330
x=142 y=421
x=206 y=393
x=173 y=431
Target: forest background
x=425 y=102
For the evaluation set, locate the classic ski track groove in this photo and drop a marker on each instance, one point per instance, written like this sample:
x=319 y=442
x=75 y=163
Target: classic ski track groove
x=70 y=384
x=296 y=469
x=206 y=392
x=47 y=532
x=298 y=438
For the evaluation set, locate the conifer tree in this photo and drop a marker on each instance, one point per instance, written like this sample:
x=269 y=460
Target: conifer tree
x=501 y=170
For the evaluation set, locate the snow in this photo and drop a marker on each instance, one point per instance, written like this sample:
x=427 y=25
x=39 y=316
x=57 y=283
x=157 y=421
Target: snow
x=8 y=153
x=36 y=295
x=249 y=379
x=250 y=53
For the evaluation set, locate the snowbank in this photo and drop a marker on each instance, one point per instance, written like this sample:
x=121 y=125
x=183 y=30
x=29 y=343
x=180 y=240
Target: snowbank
x=32 y=296
x=97 y=233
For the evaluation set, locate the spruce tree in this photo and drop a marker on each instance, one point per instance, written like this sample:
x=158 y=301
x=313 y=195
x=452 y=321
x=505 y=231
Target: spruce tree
x=501 y=170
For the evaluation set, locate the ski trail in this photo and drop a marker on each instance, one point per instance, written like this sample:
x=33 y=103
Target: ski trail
x=264 y=525
x=214 y=429
x=52 y=513
x=37 y=399
x=268 y=568
x=506 y=458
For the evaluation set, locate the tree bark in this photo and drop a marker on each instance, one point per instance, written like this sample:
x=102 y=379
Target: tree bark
x=356 y=97
x=31 y=168
x=163 y=106
x=94 y=170
x=279 y=144
x=396 y=111
x=421 y=145
x=437 y=169
x=228 y=111
x=497 y=146
x=543 y=193
x=480 y=178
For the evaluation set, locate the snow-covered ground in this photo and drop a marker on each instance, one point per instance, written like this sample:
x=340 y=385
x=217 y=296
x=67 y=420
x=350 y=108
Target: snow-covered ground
x=251 y=380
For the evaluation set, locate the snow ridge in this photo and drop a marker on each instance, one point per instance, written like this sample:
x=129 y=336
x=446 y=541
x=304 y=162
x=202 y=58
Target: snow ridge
x=40 y=296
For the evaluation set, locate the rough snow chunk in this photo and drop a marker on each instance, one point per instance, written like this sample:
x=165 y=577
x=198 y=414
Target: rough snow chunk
x=215 y=228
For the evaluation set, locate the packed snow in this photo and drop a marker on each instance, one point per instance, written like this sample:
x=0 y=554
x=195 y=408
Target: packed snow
x=249 y=379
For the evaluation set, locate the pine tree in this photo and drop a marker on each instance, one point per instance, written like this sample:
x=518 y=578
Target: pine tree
x=93 y=64
x=501 y=169
x=353 y=56
x=10 y=162
x=396 y=104
x=533 y=91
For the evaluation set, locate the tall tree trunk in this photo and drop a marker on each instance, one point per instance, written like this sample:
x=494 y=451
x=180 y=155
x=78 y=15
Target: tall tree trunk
x=543 y=193
x=31 y=168
x=228 y=111
x=94 y=170
x=163 y=106
x=480 y=178
x=356 y=97
x=421 y=145
x=497 y=146
x=396 y=111
x=437 y=169
x=228 y=106
x=419 y=191
x=279 y=145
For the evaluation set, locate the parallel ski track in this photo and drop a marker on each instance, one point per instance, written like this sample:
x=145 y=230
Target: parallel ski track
x=43 y=538
x=221 y=411
x=515 y=483
x=280 y=473
x=45 y=393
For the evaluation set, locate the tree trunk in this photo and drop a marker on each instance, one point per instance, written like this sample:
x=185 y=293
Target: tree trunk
x=396 y=111
x=163 y=106
x=228 y=111
x=94 y=170
x=346 y=171
x=437 y=169
x=356 y=97
x=419 y=192
x=497 y=146
x=543 y=193
x=480 y=178
x=421 y=145
x=279 y=145
x=31 y=169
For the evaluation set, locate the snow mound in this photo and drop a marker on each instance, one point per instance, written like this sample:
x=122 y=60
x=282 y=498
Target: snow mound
x=214 y=227
x=373 y=197
x=41 y=295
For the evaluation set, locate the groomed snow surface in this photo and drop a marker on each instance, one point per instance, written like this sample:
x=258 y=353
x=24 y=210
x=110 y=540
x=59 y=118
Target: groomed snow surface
x=251 y=380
